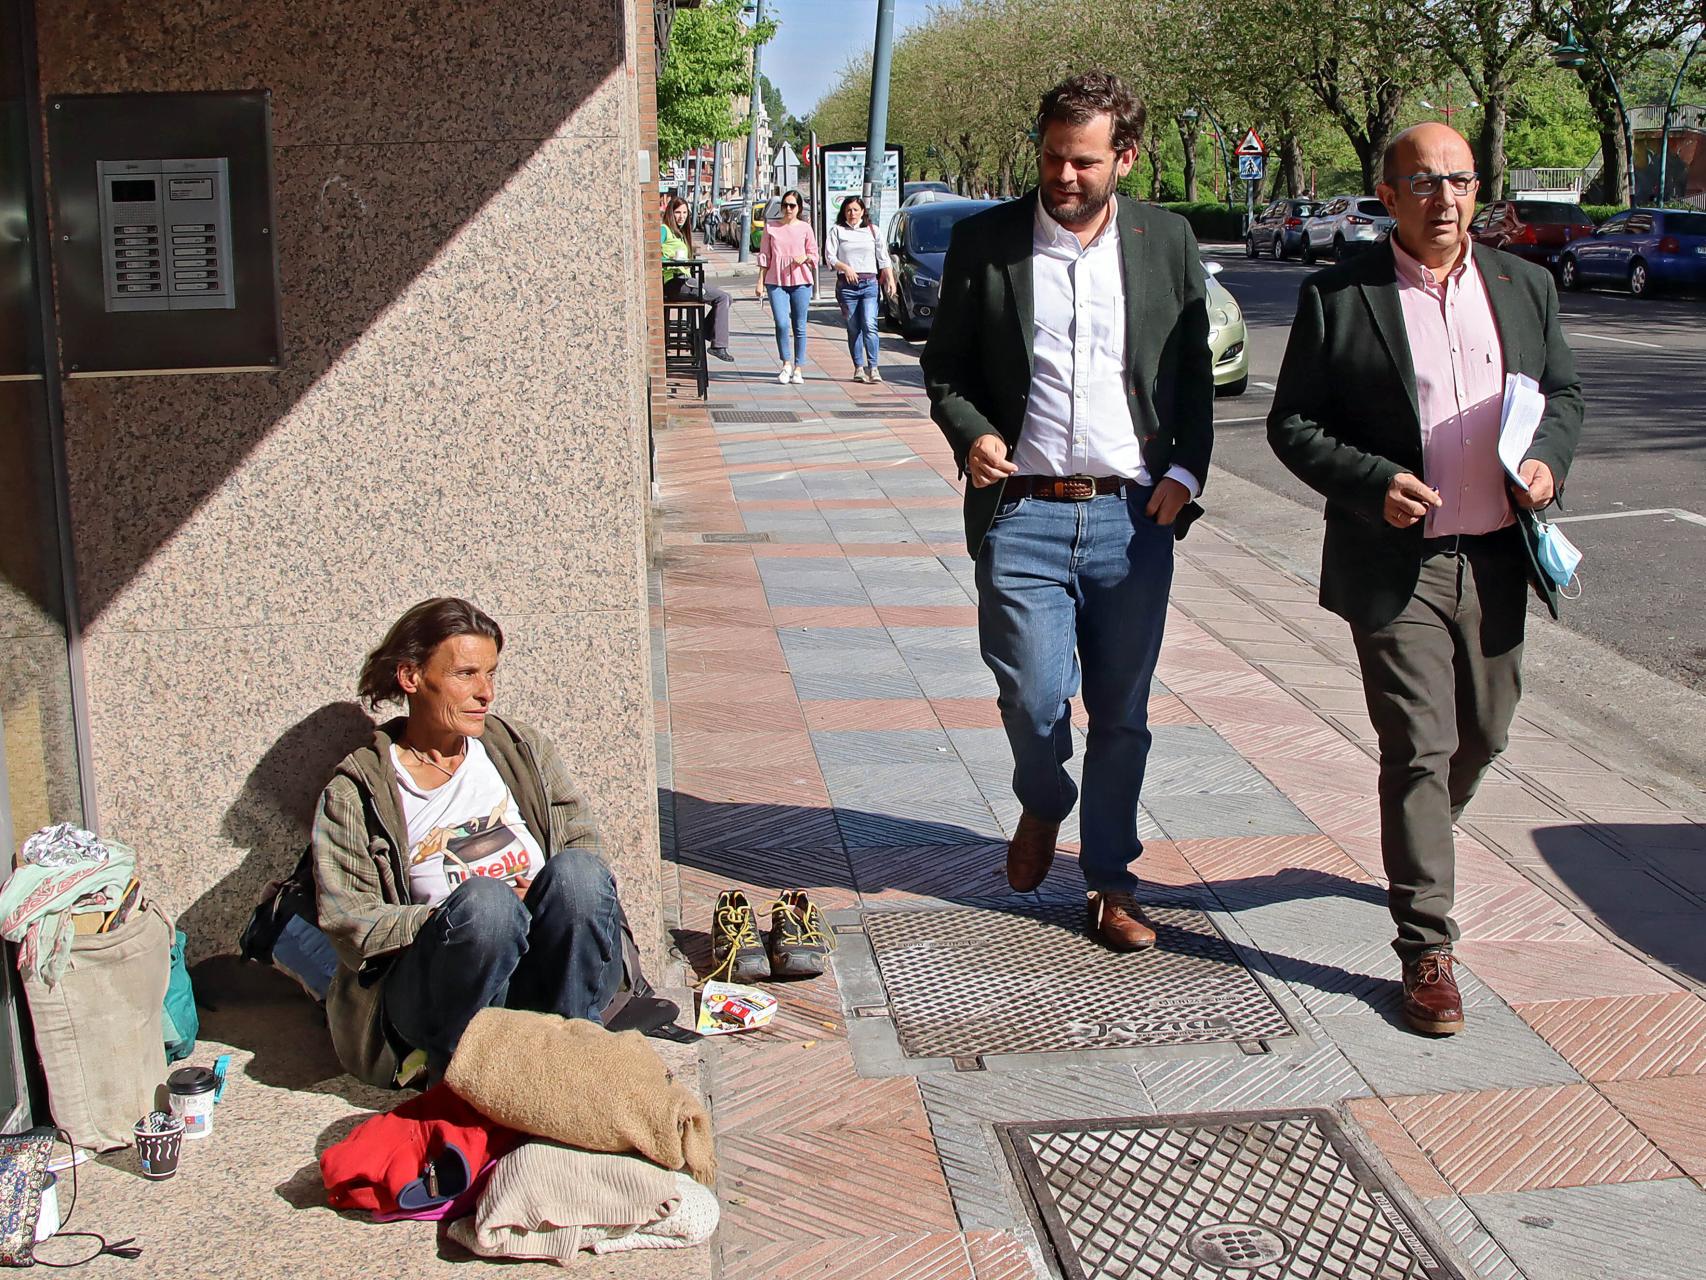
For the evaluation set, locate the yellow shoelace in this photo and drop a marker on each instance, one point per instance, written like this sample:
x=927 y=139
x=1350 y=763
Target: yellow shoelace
x=737 y=922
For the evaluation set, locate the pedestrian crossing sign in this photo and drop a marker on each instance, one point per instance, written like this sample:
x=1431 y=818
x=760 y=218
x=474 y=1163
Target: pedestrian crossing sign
x=1250 y=168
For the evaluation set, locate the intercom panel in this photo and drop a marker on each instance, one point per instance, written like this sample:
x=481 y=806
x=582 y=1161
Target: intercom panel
x=164 y=245
x=166 y=230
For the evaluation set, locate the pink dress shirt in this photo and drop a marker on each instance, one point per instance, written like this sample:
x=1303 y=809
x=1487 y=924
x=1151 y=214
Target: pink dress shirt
x=782 y=243
x=1460 y=388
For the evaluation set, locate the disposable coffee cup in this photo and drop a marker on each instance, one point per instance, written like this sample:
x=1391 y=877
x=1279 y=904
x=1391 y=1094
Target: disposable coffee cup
x=190 y=1091
x=159 y=1142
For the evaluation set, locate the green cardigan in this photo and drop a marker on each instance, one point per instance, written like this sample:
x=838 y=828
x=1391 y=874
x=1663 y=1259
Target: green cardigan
x=1345 y=419
x=361 y=882
x=978 y=363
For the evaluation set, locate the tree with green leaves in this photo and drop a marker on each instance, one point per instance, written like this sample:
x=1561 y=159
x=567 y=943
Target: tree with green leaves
x=706 y=70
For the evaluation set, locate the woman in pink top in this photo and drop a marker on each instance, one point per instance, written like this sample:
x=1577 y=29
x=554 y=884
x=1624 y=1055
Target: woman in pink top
x=787 y=256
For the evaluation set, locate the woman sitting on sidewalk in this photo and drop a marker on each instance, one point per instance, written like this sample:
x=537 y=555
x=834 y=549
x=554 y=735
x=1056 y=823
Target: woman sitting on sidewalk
x=786 y=256
x=456 y=863
x=677 y=233
x=861 y=261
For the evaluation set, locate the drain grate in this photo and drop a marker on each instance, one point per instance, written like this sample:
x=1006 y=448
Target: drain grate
x=734 y=537
x=754 y=415
x=966 y=982
x=1279 y=1195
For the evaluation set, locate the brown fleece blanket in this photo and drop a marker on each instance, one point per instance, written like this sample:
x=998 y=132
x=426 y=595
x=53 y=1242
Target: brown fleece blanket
x=573 y=1082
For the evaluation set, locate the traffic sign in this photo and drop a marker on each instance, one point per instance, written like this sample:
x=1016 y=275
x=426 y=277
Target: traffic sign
x=1252 y=145
x=1250 y=168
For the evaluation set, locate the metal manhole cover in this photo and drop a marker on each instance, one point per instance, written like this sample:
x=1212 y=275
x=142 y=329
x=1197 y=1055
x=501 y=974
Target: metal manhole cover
x=1269 y=1195
x=734 y=537
x=754 y=415
x=962 y=983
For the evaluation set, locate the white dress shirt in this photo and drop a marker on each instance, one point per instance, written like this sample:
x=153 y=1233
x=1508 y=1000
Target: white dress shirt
x=1077 y=419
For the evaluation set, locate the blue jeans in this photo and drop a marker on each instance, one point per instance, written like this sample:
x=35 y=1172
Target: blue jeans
x=1064 y=582
x=788 y=304
x=560 y=952
x=859 y=310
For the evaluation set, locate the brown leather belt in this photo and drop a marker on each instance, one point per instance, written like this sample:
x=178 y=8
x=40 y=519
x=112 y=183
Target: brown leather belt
x=1063 y=488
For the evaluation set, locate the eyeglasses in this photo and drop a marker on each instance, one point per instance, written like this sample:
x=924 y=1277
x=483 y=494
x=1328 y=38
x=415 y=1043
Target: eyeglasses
x=1427 y=184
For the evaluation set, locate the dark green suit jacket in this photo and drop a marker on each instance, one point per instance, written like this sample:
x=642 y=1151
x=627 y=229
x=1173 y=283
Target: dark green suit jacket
x=977 y=364
x=1345 y=420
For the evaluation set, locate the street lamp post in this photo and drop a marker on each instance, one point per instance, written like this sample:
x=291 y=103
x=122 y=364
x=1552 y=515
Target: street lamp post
x=751 y=148
x=1571 y=53
x=1663 y=192
x=876 y=140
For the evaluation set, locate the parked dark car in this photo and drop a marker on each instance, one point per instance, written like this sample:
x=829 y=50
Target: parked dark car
x=1642 y=249
x=1278 y=229
x=1534 y=229
x=918 y=241
x=910 y=189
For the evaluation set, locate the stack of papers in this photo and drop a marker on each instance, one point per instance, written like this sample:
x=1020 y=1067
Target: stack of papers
x=1524 y=406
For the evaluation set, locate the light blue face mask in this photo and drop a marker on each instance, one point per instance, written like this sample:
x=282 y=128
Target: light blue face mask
x=1558 y=557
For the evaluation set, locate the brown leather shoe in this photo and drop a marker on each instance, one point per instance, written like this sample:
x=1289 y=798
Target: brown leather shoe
x=1431 y=1002
x=1030 y=852
x=1116 y=920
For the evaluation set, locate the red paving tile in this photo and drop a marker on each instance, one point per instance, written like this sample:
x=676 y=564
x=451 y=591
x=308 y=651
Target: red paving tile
x=928 y=615
x=1526 y=1139
x=1000 y=1255
x=880 y=1257
x=1669 y=1111
x=1221 y=860
x=813 y=1152
x=870 y=713
x=761 y=874
x=742 y=716
x=800 y=784
x=1527 y=972
x=1400 y=1149
x=1516 y=912
x=825 y=616
x=967 y=713
x=711 y=686
x=817 y=550
x=710 y=748
x=1625 y=1037
x=951 y=873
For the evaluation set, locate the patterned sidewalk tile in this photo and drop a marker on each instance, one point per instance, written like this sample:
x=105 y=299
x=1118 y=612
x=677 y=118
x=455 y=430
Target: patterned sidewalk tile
x=945 y=874
x=1527 y=972
x=762 y=874
x=1625 y=1037
x=1529 y=1139
x=870 y=713
x=1323 y=1077
x=790 y=783
x=815 y=1153
x=1495 y=1050
x=1399 y=1148
x=1632 y=1231
x=707 y=824
x=1516 y=913
x=1485 y=1257
x=1671 y=1112
x=944 y=1256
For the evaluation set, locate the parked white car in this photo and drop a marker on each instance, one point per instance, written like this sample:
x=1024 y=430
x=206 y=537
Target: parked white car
x=1345 y=224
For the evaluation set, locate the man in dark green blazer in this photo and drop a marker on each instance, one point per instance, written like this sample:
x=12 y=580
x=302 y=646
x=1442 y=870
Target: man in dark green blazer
x=1069 y=369
x=1389 y=404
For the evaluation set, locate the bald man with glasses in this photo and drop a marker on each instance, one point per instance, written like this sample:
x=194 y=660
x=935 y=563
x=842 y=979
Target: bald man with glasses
x=1389 y=405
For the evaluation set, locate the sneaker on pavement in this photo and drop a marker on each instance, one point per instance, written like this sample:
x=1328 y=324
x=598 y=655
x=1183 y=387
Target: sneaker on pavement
x=859 y=374
x=737 y=955
x=873 y=374
x=800 y=941
x=783 y=376
x=797 y=376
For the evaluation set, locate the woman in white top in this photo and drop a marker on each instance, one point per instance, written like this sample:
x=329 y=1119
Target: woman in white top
x=855 y=249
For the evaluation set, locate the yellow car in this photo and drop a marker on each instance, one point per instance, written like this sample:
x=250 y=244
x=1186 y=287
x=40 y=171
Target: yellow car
x=1227 y=338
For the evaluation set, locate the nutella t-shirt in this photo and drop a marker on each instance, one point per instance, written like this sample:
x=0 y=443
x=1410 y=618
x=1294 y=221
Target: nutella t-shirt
x=468 y=825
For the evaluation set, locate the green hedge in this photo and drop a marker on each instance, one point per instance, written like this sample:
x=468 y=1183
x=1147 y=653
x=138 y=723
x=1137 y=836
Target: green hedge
x=1211 y=220
x=1600 y=212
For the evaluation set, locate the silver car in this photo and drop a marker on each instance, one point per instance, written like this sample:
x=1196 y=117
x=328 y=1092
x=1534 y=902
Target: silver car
x=1345 y=225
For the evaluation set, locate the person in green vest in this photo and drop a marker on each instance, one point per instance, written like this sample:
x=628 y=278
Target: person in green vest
x=677 y=232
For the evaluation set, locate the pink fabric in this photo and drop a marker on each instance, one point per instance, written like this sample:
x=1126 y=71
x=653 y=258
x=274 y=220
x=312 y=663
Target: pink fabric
x=782 y=243
x=1460 y=388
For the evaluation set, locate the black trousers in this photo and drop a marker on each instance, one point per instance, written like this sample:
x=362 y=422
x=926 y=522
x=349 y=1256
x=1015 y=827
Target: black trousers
x=684 y=288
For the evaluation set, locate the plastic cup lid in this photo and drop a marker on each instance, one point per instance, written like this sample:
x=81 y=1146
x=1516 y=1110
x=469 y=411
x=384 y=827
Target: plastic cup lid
x=192 y=1080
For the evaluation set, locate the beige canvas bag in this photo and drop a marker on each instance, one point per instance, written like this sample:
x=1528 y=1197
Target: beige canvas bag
x=98 y=1032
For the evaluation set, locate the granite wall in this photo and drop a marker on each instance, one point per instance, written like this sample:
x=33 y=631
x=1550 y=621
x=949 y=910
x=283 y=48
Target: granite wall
x=461 y=411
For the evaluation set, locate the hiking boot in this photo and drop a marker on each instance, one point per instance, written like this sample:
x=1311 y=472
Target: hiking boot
x=737 y=955
x=800 y=941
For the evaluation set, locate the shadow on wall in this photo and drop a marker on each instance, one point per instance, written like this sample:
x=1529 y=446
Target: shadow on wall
x=1645 y=881
x=271 y=817
x=393 y=127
